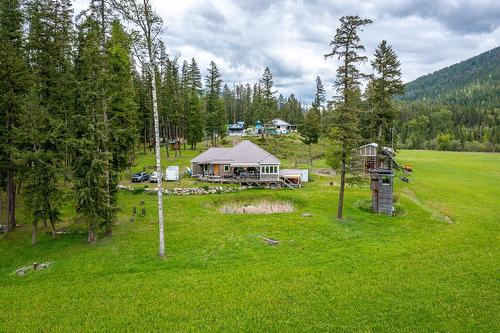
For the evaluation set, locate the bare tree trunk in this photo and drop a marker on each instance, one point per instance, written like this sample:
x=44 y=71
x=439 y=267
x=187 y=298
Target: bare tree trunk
x=1 y=212
x=310 y=155
x=90 y=235
x=53 y=228
x=179 y=139
x=145 y=139
x=11 y=200
x=167 y=140
x=340 y=209
x=33 y=232
x=45 y=226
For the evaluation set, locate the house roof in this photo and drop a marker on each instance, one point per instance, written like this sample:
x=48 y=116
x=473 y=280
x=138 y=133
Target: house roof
x=244 y=153
x=387 y=150
x=209 y=155
x=279 y=122
x=236 y=126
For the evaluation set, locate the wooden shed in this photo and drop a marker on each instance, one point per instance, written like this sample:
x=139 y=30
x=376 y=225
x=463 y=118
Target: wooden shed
x=368 y=155
x=382 y=190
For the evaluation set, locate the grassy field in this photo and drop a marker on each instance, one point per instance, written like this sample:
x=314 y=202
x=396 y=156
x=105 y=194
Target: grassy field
x=434 y=267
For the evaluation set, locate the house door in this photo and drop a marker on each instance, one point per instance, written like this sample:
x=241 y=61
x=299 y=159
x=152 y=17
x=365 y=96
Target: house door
x=216 y=169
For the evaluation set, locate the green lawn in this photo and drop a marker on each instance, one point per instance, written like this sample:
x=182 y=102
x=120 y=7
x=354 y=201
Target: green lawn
x=415 y=272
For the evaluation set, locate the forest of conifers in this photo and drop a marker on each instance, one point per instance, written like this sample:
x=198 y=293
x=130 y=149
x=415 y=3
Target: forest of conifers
x=455 y=108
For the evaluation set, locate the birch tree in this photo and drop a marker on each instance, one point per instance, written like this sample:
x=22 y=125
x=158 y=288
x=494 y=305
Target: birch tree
x=148 y=28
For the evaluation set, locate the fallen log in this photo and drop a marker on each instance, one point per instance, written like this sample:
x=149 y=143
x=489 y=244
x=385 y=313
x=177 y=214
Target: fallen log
x=269 y=241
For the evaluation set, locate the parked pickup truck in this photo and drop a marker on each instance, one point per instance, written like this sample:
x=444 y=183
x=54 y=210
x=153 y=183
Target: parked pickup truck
x=140 y=177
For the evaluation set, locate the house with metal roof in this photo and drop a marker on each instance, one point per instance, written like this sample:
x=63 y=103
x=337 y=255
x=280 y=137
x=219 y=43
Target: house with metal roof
x=279 y=126
x=244 y=162
x=236 y=129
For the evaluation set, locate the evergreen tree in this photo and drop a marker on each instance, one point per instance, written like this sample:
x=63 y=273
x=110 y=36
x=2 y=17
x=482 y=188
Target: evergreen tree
x=281 y=106
x=268 y=107
x=385 y=84
x=256 y=102
x=196 y=114
x=319 y=97
x=248 y=116
x=90 y=160
x=293 y=110
x=228 y=98
x=195 y=76
x=310 y=130
x=14 y=81
x=216 y=120
x=345 y=131
x=49 y=45
x=173 y=98
x=39 y=138
x=122 y=107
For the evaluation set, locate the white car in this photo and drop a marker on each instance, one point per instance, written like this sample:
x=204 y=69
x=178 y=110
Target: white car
x=155 y=177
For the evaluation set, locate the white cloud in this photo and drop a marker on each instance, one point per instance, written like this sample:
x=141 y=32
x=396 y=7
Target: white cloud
x=291 y=36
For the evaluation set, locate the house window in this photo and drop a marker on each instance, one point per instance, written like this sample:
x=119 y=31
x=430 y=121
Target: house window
x=226 y=168
x=205 y=167
x=386 y=180
x=269 y=169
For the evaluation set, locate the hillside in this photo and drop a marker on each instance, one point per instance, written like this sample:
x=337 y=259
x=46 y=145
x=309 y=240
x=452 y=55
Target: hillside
x=455 y=108
x=471 y=82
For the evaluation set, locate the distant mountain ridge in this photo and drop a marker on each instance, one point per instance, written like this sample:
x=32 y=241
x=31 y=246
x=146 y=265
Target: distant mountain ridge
x=472 y=82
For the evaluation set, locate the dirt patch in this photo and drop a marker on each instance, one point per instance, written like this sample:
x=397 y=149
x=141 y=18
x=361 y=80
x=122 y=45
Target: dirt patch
x=258 y=207
x=324 y=172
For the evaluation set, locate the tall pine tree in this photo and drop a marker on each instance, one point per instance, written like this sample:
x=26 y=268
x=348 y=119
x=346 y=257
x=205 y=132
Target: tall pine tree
x=216 y=120
x=14 y=81
x=384 y=85
x=345 y=131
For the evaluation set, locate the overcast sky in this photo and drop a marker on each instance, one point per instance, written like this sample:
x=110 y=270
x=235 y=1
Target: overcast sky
x=291 y=37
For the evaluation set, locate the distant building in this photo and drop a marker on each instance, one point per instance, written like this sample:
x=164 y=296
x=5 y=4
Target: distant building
x=369 y=155
x=279 y=126
x=236 y=129
x=258 y=127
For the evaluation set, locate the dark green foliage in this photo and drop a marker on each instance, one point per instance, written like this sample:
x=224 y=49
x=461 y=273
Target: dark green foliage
x=344 y=133
x=39 y=138
x=14 y=83
x=216 y=118
x=267 y=107
x=122 y=106
x=310 y=130
x=292 y=111
x=44 y=134
x=90 y=160
x=384 y=84
x=469 y=91
x=471 y=82
x=319 y=97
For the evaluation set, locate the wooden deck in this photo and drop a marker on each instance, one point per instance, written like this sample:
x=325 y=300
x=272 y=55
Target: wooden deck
x=250 y=181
